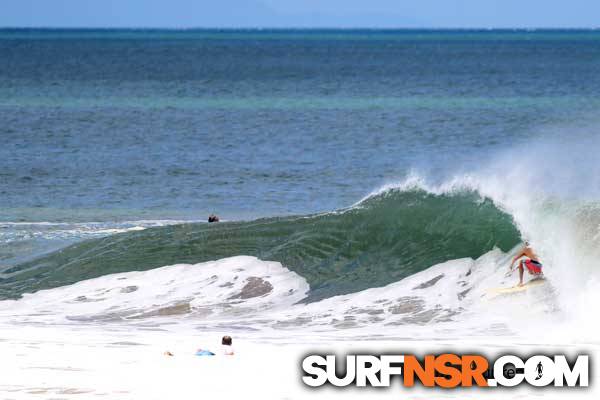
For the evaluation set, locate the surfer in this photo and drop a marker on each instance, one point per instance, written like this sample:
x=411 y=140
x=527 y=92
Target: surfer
x=213 y=218
x=530 y=261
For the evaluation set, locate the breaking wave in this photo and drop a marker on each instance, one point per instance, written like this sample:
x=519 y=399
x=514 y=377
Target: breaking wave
x=386 y=237
x=414 y=253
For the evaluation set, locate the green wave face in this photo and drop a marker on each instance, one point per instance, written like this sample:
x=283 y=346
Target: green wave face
x=384 y=239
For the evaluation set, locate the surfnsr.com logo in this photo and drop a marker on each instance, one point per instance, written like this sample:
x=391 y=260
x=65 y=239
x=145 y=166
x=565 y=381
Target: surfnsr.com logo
x=445 y=370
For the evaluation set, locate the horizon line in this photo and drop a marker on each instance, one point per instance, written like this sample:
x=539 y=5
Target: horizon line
x=258 y=28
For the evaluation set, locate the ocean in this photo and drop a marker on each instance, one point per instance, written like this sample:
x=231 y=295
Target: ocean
x=370 y=183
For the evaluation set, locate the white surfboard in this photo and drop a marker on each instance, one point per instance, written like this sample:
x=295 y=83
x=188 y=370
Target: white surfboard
x=516 y=289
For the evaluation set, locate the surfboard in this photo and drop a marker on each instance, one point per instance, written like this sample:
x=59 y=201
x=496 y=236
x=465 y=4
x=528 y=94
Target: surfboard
x=516 y=289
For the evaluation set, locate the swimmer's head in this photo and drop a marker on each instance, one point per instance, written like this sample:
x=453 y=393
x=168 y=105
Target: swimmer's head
x=226 y=341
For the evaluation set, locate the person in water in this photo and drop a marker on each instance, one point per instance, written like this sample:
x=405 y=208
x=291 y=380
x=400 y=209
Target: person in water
x=529 y=260
x=226 y=346
x=226 y=349
x=213 y=218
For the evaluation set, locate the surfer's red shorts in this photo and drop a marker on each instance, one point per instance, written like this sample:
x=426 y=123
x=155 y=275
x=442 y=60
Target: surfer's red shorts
x=533 y=267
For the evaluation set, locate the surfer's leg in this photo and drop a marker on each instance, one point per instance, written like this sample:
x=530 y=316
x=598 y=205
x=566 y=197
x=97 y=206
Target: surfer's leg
x=521 y=273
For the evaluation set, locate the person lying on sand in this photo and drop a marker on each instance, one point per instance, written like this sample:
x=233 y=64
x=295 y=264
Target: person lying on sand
x=529 y=260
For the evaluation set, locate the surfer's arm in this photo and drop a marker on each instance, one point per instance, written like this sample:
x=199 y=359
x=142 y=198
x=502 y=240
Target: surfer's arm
x=515 y=258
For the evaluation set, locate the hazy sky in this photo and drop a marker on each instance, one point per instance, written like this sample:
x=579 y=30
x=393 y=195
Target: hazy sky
x=300 y=13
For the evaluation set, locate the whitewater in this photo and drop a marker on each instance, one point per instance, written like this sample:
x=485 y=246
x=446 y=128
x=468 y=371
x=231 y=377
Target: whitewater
x=82 y=339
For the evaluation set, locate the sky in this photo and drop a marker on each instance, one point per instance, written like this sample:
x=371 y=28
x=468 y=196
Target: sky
x=301 y=13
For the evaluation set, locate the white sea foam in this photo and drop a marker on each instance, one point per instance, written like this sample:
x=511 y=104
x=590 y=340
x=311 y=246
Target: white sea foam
x=17 y=230
x=106 y=336
x=451 y=299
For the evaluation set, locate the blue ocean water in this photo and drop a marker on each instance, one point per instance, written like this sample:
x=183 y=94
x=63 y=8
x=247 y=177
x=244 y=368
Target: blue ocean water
x=115 y=126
